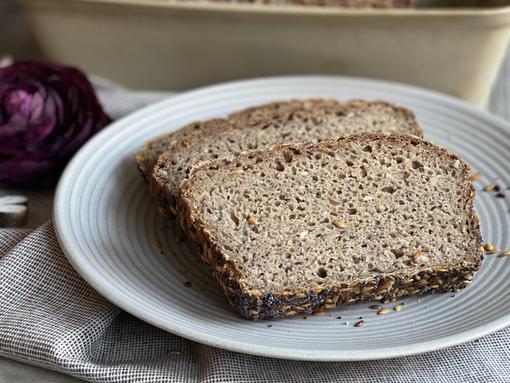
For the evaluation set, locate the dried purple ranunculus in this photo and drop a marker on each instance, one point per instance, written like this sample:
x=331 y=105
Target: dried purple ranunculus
x=47 y=112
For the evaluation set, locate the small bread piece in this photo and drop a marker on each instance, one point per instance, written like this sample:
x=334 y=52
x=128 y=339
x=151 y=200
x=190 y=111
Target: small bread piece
x=277 y=123
x=306 y=227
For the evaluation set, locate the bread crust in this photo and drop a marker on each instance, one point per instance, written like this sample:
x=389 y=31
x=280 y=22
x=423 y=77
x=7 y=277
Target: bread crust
x=255 y=304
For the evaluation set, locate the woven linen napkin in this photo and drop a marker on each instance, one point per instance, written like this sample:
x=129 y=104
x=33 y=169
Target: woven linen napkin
x=51 y=318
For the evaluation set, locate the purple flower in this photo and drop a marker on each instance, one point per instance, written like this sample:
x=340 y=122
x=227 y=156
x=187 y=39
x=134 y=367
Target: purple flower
x=47 y=112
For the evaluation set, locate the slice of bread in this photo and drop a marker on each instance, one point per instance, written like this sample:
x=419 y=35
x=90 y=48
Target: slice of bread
x=302 y=228
x=148 y=155
x=277 y=123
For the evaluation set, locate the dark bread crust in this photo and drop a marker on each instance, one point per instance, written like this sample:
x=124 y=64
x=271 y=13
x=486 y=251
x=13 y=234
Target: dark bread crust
x=256 y=117
x=255 y=304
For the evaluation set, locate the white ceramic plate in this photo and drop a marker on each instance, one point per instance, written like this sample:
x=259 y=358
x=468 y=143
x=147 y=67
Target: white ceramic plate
x=109 y=227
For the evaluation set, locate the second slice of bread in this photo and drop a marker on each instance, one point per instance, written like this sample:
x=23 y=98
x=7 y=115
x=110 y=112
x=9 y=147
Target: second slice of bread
x=277 y=123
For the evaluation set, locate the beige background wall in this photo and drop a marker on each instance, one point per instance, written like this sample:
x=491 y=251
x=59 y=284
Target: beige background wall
x=15 y=36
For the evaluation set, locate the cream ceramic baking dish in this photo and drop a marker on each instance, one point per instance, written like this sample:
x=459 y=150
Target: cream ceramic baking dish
x=161 y=44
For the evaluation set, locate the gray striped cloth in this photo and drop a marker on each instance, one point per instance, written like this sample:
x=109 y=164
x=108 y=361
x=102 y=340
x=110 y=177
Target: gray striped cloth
x=50 y=317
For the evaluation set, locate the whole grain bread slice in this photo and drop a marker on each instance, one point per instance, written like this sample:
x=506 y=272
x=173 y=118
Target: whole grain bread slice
x=148 y=155
x=306 y=227
x=277 y=123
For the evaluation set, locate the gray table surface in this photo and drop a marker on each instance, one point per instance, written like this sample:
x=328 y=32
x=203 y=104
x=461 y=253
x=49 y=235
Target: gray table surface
x=41 y=201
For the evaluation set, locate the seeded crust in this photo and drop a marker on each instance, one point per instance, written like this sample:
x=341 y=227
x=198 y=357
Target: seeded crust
x=270 y=124
x=259 y=303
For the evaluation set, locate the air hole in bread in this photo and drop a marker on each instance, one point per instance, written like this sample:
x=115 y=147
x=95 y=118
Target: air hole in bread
x=389 y=189
x=398 y=252
x=417 y=165
x=288 y=156
x=234 y=218
x=322 y=272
